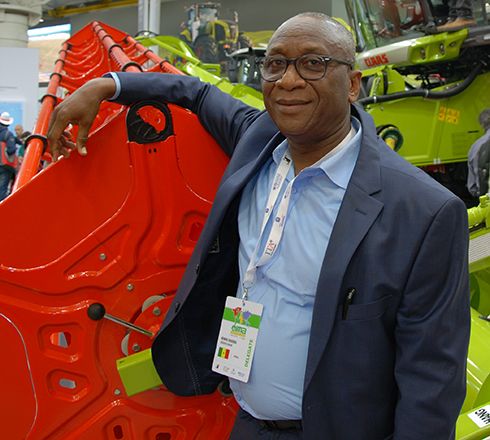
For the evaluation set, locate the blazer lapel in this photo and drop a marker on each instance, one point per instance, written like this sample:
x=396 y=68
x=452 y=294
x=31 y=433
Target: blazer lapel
x=357 y=213
x=232 y=185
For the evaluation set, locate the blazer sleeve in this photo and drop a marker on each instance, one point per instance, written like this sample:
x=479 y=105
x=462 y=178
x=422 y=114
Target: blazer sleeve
x=432 y=331
x=223 y=116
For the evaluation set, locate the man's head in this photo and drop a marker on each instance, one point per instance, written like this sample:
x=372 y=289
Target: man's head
x=19 y=130
x=305 y=110
x=484 y=119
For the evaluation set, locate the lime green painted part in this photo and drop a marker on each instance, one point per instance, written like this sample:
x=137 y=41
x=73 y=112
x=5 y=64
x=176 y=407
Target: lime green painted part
x=253 y=320
x=395 y=81
x=259 y=38
x=244 y=93
x=178 y=52
x=436 y=48
x=480 y=287
x=478 y=365
x=174 y=44
x=466 y=429
x=480 y=213
x=181 y=55
x=138 y=372
x=436 y=130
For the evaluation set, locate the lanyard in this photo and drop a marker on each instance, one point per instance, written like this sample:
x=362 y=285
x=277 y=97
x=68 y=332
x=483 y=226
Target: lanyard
x=279 y=222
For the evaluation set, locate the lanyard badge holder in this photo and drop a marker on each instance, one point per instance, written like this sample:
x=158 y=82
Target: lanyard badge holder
x=241 y=318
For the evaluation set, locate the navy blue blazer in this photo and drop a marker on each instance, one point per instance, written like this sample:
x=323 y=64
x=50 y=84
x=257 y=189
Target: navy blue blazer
x=395 y=366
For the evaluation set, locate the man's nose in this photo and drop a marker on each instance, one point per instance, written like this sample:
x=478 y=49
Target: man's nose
x=291 y=78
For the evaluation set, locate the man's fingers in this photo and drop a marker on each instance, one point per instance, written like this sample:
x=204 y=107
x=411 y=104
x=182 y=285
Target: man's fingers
x=57 y=126
x=66 y=141
x=65 y=152
x=82 y=140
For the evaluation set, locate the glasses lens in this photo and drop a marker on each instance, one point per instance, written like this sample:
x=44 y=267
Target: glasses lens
x=272 y=68
x=311 y=66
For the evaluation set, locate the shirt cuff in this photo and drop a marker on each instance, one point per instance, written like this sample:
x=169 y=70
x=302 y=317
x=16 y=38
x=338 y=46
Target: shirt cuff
x=114 y=76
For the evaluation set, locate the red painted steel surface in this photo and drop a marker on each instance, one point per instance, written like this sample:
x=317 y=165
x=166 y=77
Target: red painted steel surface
x=116 y=227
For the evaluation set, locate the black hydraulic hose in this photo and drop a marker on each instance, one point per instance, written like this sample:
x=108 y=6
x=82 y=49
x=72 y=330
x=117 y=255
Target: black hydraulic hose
x=425 y=93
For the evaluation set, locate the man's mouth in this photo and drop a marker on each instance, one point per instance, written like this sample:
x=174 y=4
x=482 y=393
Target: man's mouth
x=291 y=102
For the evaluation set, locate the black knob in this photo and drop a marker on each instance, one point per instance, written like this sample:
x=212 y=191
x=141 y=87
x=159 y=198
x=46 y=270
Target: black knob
x=96 y=311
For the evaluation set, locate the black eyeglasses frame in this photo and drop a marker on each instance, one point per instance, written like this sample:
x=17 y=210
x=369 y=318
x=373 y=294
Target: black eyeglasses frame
x=326 y=59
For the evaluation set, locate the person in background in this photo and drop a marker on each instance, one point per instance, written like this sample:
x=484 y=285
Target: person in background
x=18 y=133
x=479 y=159
x=8 y=157
x=22 y=149
x=322 y=237
x=460 y=16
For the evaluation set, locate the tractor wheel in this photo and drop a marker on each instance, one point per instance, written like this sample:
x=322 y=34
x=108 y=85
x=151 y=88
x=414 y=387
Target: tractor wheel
x=205 y=49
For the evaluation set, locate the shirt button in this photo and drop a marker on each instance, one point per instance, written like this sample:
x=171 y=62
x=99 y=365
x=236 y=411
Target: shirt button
x=197 y=269
x=177 y=307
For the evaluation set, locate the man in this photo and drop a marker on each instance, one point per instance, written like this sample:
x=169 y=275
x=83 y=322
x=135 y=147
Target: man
x=328 y=234
x=479 y=159
x=20 y=139
x=8 y=158
x=18 y=132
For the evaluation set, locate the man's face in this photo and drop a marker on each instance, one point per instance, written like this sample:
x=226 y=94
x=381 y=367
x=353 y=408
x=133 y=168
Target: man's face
x=309 y=111
x=18 y=130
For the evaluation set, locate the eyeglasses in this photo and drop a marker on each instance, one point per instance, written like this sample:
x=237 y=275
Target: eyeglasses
x=309 y=67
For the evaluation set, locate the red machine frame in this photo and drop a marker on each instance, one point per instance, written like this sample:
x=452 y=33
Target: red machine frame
x=116 y=227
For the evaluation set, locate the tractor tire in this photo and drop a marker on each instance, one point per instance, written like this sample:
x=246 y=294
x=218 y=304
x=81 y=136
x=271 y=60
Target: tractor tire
x=205 y=49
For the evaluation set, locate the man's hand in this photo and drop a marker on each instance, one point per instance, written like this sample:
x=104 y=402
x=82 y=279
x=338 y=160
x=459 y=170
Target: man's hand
x=80 y=109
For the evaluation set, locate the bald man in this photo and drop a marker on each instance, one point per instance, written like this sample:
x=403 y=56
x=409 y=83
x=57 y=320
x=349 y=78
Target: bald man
x=321 y=302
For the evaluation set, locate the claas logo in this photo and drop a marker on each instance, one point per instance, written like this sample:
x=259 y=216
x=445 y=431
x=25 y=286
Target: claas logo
x=377 y=60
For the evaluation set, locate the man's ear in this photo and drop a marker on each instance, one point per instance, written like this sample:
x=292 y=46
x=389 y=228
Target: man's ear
x=355 y=85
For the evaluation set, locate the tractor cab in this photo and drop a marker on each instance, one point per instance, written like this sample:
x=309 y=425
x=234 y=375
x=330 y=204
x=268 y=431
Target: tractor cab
x=199 y=16
x=424 y=88
x=379 y=23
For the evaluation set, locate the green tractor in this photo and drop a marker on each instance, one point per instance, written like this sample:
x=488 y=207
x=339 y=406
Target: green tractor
x=211 y=37
x=424 y=89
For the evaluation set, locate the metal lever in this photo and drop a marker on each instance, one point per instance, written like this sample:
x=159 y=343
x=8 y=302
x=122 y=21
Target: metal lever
x=96 y=311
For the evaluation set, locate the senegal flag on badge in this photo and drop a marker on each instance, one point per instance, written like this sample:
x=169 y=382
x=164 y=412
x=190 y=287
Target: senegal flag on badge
x=223 y=353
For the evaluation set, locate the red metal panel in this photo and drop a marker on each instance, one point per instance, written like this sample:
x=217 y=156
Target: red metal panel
x=116 y=227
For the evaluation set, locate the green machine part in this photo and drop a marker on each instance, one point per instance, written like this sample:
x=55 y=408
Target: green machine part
x=474 y=420
x=138 y=372
x=434 y=130
x=178 y=53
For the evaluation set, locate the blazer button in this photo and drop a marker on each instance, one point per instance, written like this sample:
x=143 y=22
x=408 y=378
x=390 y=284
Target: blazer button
x=177 y=307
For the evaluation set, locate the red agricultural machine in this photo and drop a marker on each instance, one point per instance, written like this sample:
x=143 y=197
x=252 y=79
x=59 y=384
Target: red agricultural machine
x=113 y=231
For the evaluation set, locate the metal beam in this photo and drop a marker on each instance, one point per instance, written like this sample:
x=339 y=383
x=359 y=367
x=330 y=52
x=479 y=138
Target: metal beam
x=94 y=6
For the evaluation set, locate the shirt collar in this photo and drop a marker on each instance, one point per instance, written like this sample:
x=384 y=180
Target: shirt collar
x=338 y=164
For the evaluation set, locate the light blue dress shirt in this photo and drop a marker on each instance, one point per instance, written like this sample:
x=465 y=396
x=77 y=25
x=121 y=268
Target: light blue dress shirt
x=286 y=285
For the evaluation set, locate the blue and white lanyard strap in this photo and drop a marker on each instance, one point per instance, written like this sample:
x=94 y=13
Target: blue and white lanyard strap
x=278 y=224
